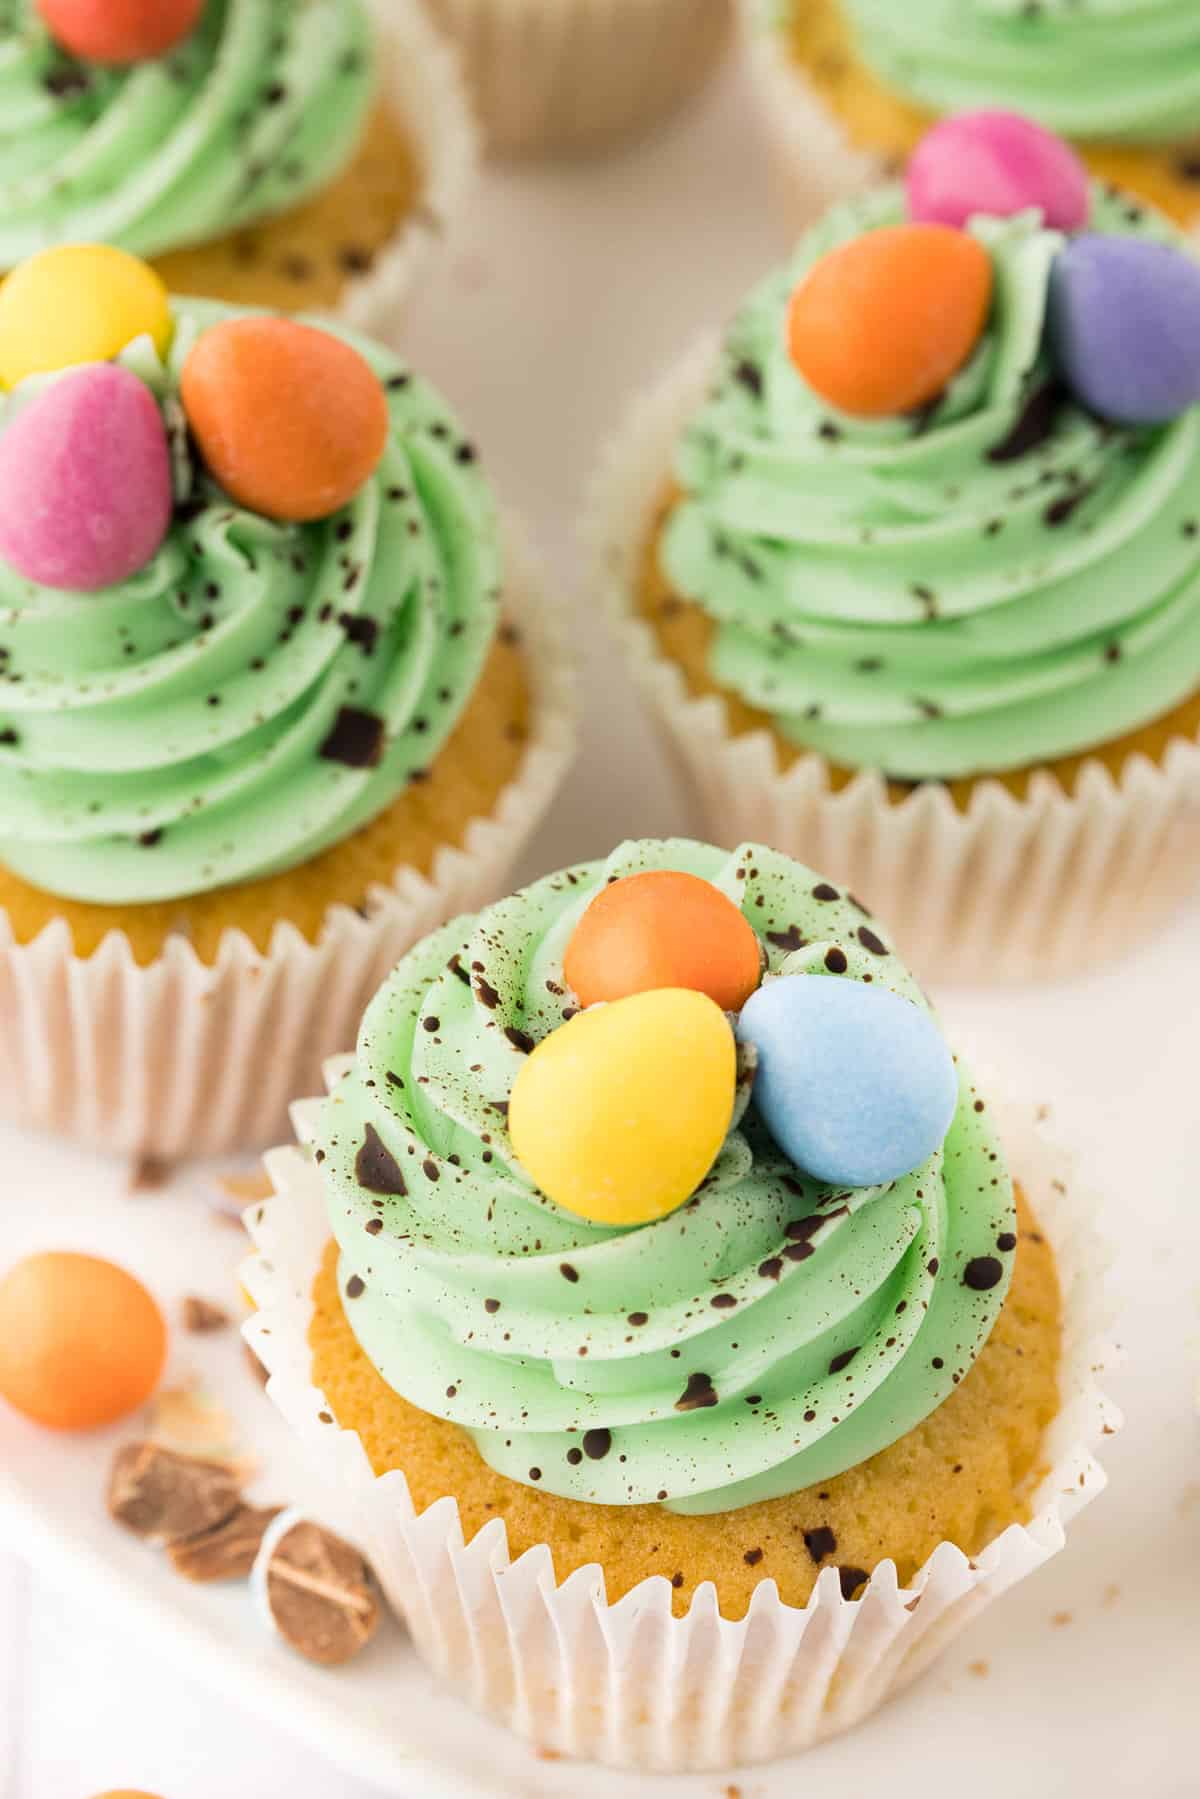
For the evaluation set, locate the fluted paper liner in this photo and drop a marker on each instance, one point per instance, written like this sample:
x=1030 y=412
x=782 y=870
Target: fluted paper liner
x=567 y=76
x=814 y=161
x=629 y=1683
x=1007 y=889
x=423 y=84
x=185 y=1058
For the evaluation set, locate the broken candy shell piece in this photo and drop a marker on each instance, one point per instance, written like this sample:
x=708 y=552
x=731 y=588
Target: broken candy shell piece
x=315 y=1590
x=167 y=1498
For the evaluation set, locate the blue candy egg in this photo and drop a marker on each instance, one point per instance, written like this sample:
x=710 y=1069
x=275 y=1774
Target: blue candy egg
x=856 y=1085
x=1124 y=324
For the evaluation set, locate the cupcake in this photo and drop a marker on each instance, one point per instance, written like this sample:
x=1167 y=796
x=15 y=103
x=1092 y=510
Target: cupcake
x=275 y=699
x=577 y=76
x=910 y=566
x=852 y=85
x=698 y=1344
x=264 y=153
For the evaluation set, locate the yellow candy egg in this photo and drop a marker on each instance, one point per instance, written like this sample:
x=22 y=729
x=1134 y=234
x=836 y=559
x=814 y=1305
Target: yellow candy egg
x=80 y=303
x=619 y=1115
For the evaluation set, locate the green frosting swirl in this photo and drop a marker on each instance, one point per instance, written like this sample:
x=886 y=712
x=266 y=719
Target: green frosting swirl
x=261 y=106
x=999 y=581
x=601 y=1363
x=259 y=690
x=1113 y=69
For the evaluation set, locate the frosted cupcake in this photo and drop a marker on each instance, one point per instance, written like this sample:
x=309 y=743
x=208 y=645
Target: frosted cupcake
x=266 y=153
x=669 y=1232
x=575 y=76
x=852 y=85
x=910 y=568
x=273 y=698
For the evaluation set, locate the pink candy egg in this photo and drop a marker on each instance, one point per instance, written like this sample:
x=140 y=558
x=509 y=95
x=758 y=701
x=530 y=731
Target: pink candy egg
x=997 y=163
x=85 y=481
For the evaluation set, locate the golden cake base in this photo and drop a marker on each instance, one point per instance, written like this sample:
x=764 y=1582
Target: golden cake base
x=877 y=120
x=482 y=755
x=684 y=635
x=304 y=259
x=962 y=1476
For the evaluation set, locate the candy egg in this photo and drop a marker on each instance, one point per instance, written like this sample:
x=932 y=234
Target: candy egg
x=881 y=324
x=1124 y=325
x=81 y=303
x=997 y=163
x=85 y=481
x=290 y=420
x=82 y=1342
x=120 y=31
x=619 y=1115
x=663 y=929
x=856 y=1085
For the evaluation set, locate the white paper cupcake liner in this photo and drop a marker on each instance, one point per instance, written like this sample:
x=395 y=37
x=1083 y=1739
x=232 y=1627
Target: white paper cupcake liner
x=814 y=162
x=570 y=76
x=184 y=1058
x=628 y=1683
x=1008 y=889
x=423 y=83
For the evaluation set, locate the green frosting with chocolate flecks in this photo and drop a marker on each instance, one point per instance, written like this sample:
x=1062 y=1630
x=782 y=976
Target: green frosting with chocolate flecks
x=261 y=106
x=259 y=690
x=1120 y=70
x=768 y=1334
x=1000 y=581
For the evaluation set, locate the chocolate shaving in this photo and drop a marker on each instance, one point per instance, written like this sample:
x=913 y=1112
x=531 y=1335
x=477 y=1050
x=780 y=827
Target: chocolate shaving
x=319 y=1591
x=202 y=1317
x=376 y=1168
x=356 y=740
x=229 y=1551
x=1034 y=424
x=166 y=1498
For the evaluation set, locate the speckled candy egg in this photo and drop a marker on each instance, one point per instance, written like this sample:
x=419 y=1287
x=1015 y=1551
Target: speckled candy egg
x=997 y=163
x=663 y=928
x=290 y=420
x=856 y=1085
x=120 y=31
x=80 y=303
x=1124 y=325
x=882 y=323
x=619 y=1115
x=85 y=481
x=82 y=1343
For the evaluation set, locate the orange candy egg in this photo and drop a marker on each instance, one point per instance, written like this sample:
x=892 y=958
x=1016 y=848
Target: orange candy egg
x=663 y=929
x=881 y=324
x=82 y=1343
x=120 y=31
x=290 y=420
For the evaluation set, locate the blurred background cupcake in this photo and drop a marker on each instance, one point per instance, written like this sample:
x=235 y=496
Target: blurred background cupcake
x=909 y=568
x=715 y=1299
x=850 y=86
x=576 y=76
x=264 y=152
x=274 y=699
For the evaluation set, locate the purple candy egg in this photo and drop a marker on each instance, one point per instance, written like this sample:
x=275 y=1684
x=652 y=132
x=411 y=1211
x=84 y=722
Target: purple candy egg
x=997 y=163
x=85 y=480
x=1124 y=327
